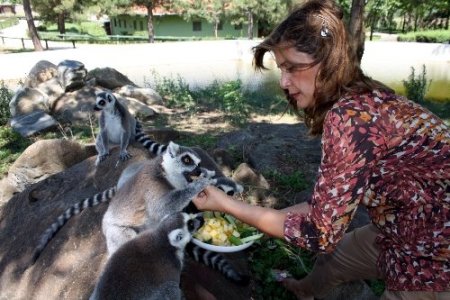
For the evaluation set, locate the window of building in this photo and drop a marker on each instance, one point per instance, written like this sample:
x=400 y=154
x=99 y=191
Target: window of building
x=134 y=24
x=197 y=26
x=115 y=22
x=141 y=23
x=120 y=23
x=238 y=26
x=125 y=23
x=220 y=25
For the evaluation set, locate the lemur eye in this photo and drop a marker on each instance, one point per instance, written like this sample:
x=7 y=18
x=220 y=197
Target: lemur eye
x=101 y=102
x=191 y=225
x=179 y=237
x=187 y=160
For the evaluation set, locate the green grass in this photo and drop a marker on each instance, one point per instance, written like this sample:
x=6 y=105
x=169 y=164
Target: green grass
x=270 y=254
x=5 y=96
x=429 y=36
x=89 y=28
x=203 y=140
x=12 y=145
x=6 y=22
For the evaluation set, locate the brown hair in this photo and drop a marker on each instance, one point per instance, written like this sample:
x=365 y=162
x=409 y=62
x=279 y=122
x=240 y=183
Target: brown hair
x=316 y=28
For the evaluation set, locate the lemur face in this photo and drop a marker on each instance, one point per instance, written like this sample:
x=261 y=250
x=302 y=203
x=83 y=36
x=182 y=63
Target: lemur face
x=102 y=100
x=180 y=227
x=181 y=165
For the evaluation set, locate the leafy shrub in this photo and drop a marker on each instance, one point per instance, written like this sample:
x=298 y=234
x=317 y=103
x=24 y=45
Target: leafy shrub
x=176 y=93
x=12 y=144
x=5 y=97
x=273 y=254
x=8 y=22
x=229 y=97
x=430 y=36
x=417 y=86
x=295 y=181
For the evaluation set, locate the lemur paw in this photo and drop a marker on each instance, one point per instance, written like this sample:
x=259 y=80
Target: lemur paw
x=125 y=156
x=208 y=173
x=204 y=182
x=101 y=158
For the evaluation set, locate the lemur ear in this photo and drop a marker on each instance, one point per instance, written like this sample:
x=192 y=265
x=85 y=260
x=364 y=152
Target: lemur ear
x=173 y=148
x=109 y=97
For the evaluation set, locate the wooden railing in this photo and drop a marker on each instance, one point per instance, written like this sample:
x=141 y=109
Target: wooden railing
x=79 y=38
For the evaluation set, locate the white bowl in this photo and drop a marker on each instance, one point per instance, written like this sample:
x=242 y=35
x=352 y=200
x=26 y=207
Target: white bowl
x=223 y=249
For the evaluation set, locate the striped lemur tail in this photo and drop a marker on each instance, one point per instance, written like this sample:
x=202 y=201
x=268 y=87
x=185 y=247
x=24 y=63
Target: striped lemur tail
x=147 y=142
x=217 y=262
x=74 y=210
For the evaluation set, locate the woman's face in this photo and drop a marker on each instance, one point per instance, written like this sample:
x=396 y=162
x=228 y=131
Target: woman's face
x=297 y=80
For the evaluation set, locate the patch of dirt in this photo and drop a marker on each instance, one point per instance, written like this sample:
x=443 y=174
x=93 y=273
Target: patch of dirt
x=211 y=122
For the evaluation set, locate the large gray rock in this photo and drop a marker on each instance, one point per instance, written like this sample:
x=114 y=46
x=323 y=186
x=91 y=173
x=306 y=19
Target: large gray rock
x=41 y=160
x=32 y=123
x=42 y=71
x=77 y=105
x=52 y=89
x=137 y=108
x=27 y=100
x=71 y=74
x=109 y=78
x=144 y=95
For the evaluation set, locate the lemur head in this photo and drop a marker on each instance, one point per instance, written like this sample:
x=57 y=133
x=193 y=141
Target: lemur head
x=104 y=100
x=180 y=226
x=180 y=165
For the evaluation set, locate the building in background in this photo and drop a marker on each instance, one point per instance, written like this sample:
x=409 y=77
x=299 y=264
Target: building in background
x=170 y=24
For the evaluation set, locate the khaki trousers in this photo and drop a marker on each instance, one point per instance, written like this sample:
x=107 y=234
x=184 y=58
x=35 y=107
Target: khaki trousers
x=355 y=258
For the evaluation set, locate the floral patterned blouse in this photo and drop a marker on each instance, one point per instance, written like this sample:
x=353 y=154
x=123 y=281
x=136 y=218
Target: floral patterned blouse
x=393 y=156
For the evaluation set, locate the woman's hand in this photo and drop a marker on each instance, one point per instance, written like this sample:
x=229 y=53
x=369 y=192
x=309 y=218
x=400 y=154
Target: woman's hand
x=268 y=220
x=212 y=199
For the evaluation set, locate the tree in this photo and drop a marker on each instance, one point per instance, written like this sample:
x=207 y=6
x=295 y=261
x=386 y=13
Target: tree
x=57 y=11
x=251 y=12
x=116 y=7
x=213 y=11
x=31 y=27
x=356 y=27
x=149 y=5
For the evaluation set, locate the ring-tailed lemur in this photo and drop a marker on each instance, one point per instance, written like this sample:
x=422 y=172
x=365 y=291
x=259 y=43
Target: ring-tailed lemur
x=149 y=190
x=129 y=175
x=118 y=126
x=149 y=266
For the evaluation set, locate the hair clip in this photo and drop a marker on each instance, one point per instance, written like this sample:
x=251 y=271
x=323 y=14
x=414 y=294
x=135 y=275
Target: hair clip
x=324 y=31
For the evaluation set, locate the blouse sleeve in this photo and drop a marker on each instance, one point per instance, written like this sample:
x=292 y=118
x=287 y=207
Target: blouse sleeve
x=351 y=144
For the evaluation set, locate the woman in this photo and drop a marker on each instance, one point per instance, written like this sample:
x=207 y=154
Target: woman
x=378 y=149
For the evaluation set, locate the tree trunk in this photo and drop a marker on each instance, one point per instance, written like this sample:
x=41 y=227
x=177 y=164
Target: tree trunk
x=62 y=23
x=216 y=28
x=31 y=28
x=150 y=28
x=356 y=27
x=250 y=25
